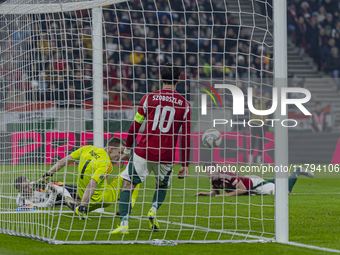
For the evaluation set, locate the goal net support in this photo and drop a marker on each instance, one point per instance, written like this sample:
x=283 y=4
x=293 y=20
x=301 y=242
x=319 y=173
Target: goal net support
x=72 y=73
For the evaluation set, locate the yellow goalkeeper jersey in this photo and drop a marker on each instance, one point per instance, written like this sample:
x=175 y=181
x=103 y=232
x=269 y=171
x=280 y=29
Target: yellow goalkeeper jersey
x=94 y=163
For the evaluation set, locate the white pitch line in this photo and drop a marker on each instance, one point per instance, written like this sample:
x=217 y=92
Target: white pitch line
x=14 y=198
x=34 y=211
x=312 y=247
x=324 y=193
x=261 y=239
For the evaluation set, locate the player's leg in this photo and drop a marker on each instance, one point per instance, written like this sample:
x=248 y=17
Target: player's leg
x=163 y=175
x=73 y=190
x=158 y=198
x=262 y=187
x=115 y=187
x=66 y=196
x=295 y=175
x=71 y=196
x=266 y=188
x=135 y=173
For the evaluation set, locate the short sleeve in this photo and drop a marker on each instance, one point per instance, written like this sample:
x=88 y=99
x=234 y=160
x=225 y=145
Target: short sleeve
x=76 y=154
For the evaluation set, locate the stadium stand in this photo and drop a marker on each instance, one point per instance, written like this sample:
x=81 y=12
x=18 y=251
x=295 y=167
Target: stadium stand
x=133 y=63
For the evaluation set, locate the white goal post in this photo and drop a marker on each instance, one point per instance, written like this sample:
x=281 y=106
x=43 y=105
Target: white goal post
x=72 y=73
x=281 y=133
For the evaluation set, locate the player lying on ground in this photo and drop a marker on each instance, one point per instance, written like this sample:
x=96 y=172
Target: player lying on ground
x=235 y=184
x=94 y=166
x=39 y=195
x=166 y=111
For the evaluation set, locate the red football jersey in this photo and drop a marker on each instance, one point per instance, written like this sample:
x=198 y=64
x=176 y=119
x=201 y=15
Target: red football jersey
x=228 y=181
x=166 y=111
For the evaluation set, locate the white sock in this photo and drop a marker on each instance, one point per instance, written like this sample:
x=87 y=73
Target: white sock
x=154 y=207
x=124 y=223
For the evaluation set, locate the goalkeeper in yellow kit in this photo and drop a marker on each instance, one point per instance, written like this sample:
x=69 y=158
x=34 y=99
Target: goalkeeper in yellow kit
x=94 y=166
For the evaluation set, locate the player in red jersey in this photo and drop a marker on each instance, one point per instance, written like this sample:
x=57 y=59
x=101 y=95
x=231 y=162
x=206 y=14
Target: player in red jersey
x=165 y=112
x=235 y=184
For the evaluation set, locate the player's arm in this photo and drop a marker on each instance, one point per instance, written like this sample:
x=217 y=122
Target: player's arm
x=102 y=169
x=185 y=145
x=41 y=183
x=240 y=189
x=97 y=177
x=215 y=191
x=50 y=202
x=89 y=191
x=211 y=193
x=134 y=128
x=60 y=164
x=73 y=157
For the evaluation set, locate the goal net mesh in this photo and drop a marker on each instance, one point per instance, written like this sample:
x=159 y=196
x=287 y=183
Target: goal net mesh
x=46 y=111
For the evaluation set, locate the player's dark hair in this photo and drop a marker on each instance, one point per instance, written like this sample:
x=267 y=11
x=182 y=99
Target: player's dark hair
x=115 y=142
x=19 y=181
x=318 y=103
x=170 y=74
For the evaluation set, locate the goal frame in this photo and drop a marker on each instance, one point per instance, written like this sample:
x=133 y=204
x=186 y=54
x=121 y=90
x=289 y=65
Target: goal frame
x=281 y=133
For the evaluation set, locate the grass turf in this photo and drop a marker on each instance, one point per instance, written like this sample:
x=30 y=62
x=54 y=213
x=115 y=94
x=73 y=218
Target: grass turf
x=313 y=220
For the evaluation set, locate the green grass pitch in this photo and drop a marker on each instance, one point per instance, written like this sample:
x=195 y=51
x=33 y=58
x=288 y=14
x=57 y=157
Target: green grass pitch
x=313 y=211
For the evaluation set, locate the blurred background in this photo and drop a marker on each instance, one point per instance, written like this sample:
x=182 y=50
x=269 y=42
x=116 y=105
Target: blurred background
x=46 y=68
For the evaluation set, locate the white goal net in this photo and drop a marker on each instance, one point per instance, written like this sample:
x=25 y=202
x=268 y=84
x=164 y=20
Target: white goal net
x=57 y=70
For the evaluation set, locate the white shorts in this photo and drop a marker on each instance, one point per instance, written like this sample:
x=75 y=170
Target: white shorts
x=138 y=169
x=266 y=189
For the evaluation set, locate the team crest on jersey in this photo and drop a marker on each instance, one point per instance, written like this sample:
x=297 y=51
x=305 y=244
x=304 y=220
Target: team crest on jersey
x=93 y=154
x=101 y=177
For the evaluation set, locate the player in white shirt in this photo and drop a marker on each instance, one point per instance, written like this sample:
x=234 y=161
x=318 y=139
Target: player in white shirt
x=33 y=194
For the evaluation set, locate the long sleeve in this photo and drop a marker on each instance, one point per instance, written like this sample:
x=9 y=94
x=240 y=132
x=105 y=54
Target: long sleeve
x=49 y=202
x=186 y=130
x=138 y=121
x=132 y=134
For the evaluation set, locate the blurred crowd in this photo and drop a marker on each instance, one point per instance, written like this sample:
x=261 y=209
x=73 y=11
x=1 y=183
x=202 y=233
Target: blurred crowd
x=50 y=56
x=315 y=27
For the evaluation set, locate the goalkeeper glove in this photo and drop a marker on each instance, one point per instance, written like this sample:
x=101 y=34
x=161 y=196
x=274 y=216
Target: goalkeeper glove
x=81 y=212
x=42 y=182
